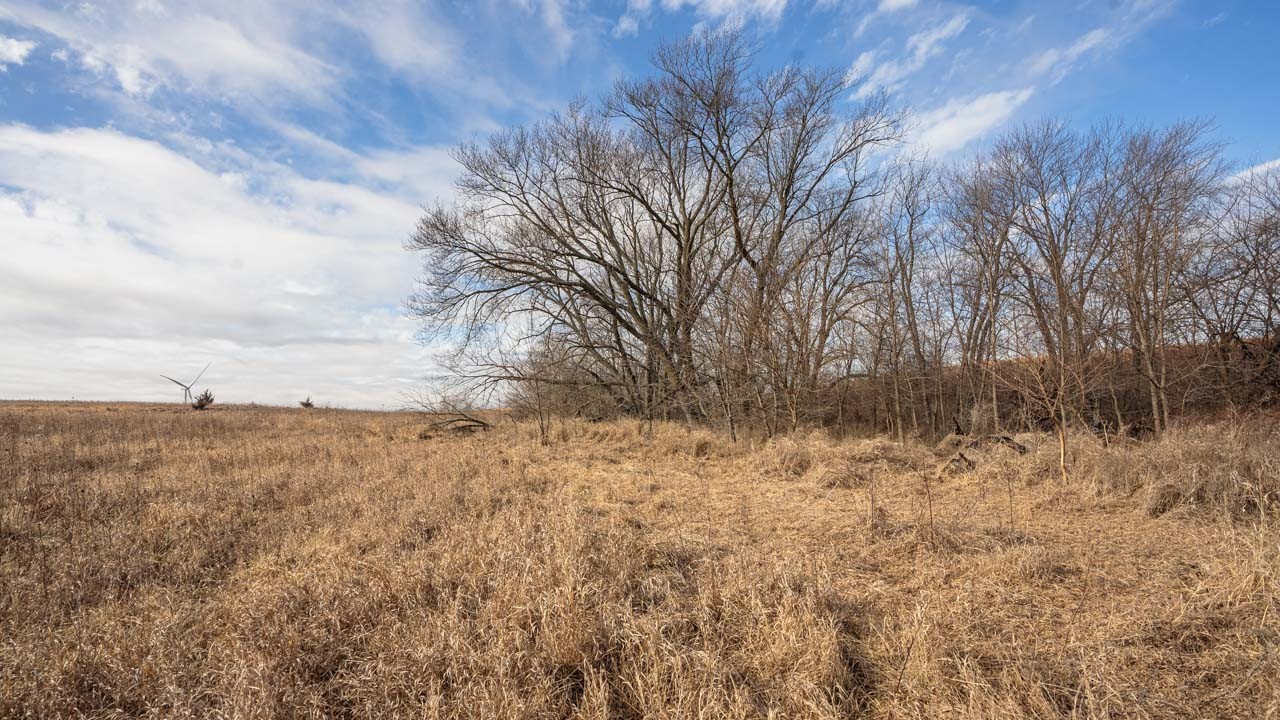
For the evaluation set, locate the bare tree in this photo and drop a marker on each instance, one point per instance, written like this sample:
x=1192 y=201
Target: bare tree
x=1054 y=184
x=612 y=230
x=1235 y=288
x=1167 y=181
x=976 y=233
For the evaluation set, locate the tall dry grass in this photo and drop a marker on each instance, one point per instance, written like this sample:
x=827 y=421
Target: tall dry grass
x=286 y=563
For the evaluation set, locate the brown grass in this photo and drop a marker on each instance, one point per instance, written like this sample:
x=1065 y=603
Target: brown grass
x=250 y=562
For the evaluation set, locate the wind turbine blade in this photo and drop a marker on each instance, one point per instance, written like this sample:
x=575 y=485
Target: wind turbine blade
x=206 y=367
x=175 y=382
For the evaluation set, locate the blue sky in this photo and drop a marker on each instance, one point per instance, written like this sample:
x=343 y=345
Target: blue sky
x=232 y=182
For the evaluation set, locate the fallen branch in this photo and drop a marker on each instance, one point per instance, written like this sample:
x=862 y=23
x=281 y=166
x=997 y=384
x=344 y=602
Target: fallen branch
x=459 y=422
x=1005 y=440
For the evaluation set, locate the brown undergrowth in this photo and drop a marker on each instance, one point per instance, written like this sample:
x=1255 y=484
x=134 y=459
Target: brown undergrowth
x=252 y=562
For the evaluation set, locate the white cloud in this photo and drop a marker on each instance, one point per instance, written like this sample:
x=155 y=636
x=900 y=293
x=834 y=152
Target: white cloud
x=770 y=10
x=212 y=49
x=268 y=51
x=920 y=47
x=405 y=36
x=124 y=258
x=959 y=122
x=553 y=17
x=861 y=67
x=155 y=62
x=884 y=7
x=627 y=26
x=14 y=52
x=1061 y=61
x=1132 y=19
x=734 y=11
x=1258 y=170
x=419 y=175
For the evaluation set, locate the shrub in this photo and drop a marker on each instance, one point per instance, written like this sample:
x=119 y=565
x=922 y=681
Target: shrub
x=203 y=400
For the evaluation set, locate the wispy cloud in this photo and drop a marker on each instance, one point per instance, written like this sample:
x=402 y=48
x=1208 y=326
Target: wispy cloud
x=553 y=17
x=1258 y=170
x=136 y=250
x=1131 y=18
x=267 y=52
x=638 y=11
x=218 y=50
x=406 y=36
x=627 y=26
x=961 y=121
x=978 y=110
x=883 y=7
x=764 y=9
x=1061 y=61
x=919 y=49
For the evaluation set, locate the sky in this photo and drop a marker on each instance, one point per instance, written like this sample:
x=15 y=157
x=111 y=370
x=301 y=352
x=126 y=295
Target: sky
x=231 y=183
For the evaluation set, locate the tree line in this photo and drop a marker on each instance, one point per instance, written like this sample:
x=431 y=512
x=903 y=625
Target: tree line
x=756 y=250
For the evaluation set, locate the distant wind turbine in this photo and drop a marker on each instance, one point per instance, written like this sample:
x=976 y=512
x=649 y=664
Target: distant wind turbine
x=186 y=387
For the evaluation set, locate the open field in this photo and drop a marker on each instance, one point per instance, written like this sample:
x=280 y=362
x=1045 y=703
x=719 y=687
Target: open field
x=252 y=562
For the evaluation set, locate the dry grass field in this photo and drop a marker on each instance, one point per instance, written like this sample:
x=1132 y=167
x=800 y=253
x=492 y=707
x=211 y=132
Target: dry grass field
x=254 y=563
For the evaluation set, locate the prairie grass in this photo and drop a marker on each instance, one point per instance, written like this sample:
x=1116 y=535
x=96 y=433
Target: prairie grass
x=261 y=563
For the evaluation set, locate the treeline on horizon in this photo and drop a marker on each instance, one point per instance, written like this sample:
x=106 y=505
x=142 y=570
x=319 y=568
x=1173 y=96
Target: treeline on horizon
x=758 y=251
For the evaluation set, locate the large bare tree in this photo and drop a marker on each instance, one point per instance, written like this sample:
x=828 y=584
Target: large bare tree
x=613 y=229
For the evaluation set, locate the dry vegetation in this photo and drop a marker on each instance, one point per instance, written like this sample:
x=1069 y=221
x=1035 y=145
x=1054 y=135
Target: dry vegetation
x=249 y=562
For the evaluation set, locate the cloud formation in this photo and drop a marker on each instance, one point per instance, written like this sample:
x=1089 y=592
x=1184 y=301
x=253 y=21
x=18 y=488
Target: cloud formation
x=737 y=11
x=1060 y=61
x=919 y=49
x=13 y=51
x=958 y=122
x=133 y=250
x=214 y=49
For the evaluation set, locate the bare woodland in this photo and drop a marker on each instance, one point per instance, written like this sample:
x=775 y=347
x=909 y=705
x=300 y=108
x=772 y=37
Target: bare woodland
x=759 y=252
